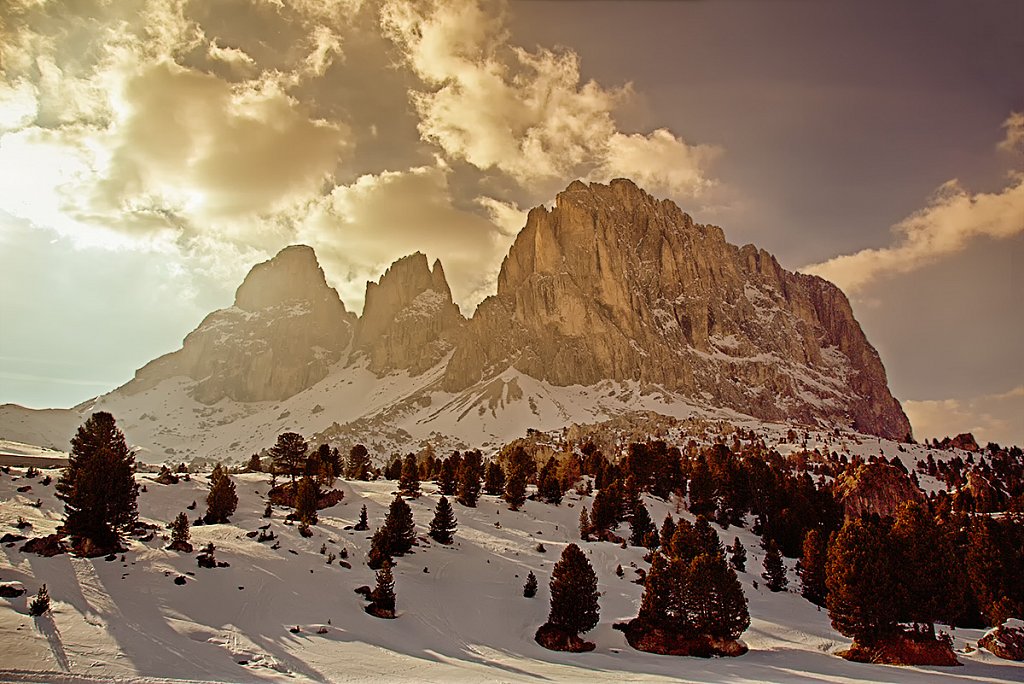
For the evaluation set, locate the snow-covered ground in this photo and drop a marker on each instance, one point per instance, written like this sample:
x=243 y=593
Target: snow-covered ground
x=462 y=616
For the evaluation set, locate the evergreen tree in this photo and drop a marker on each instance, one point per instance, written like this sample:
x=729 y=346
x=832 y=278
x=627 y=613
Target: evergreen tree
x=443 y=526
x=255 y=465
x=774 y=568
x=530 y=588
x=584 y=524
x=656 y=603
x=446 y=482
x=362 y=524
x=468 y=475
x=702 y=490
x=306 y=499
x=641 y=525
x=98 y=485
x=288 y=455
x=409 y=482
x=180 y=533
x=923 y=553
x=738 y=556
x=515 y=484
x=494 y=480
x=383 y=594
x=357 y=467
x=685 y=544
x=399 y=526
x=574 y=593
x=668 y=530
x=380 y=549
x=717 y=606
x=606 y=512
x=549 y=488
x=862 y=582
x=222 y=500
x=40 y=604
x=706 y=538
x=394 y=469
x=811 y=568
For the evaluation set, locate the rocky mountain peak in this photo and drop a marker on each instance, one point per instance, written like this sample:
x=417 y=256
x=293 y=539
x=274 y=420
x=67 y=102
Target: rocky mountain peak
x=293 y=275
x=408 y=317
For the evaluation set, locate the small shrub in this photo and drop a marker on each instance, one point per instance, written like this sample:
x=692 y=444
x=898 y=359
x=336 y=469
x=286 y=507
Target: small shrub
x=40 y=604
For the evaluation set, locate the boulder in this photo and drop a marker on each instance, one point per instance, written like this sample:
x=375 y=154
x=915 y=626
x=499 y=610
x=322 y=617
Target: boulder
x=875 y=488
x=11 y=589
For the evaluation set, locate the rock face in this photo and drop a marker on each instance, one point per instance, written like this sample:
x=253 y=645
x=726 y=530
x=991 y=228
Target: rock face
x=614 y=284
x=286 y=328
x=409 y=320
x=875 y=488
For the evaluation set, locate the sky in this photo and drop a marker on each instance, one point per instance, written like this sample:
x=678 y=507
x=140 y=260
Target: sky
x=152 y=151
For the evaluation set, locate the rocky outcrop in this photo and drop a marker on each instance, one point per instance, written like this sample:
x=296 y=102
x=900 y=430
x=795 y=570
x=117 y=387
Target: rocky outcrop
x=875 y=488
x=614 y=284
x=964 y=441
x=286 y=328
x=1005 y=641
x=409 y=320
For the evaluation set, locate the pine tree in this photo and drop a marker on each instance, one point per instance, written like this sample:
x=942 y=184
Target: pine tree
x=98 y=485
x=222 y=500
x=181 y=530
x=584 y=524
x=446 y=482
x=40 y=604
x=706 y=538
x=717 y=606
x=606 y=511
x=549 y=489
x=383 y=594
x=862 y=582
x=738 y=556
x=288 y=455
x=930 y=584
x=357 y=467
x=443 y=526
x=774 y=568
x=306 y=498
x=656 y=602
x=668 y=530
x=409 y=482
x=641 y=525
x=362 y=524
x=399 y=526
x=255 y=465
x=530 y=588
x=574 y=593
x=494 y=480
x=380 y=549
x=702 y=490
x=515 y=486
x=811 y=568
x=468 y=475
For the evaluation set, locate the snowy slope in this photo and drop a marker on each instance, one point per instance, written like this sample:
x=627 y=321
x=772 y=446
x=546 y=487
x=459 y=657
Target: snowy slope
x=464 y=619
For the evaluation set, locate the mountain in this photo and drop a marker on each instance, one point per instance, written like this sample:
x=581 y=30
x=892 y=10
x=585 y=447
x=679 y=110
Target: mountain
x=611 y=305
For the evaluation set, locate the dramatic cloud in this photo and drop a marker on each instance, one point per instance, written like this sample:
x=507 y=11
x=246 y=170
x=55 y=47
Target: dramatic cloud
x=526 y=113
x=1014 y=140
x=946 y=226
x=991 y=418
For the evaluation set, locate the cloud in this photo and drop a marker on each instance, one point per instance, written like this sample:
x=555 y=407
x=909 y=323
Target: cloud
x=1014 y=140
x=991 y=418
x=525 y=113
x=953 y=218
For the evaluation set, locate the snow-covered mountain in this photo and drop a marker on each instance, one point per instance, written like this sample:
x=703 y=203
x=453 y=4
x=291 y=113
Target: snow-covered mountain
x=610 y=303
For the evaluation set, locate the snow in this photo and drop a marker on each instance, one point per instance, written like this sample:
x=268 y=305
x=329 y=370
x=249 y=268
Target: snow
x=464 y=620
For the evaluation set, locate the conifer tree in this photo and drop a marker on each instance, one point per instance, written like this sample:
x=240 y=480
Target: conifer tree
x=443 y=526
x=717 y=606
x=98 y=485
x=706 y=538
x=469 y=472
x=862 y=582
x=380 y=549
x=668 y=530
x=606 y=512
x=409 y=482
x=641 y=525
x=584 y=524
x=930 y=583
x=383 y=594
x=362 y=524
x=774 y=568
x=656 y=602
x=549 y=488
x=357 y=466
x=494 y=480
x=574 y=595
x=702 y=490
x=181 y=530
x=446 y=482
x=811 y=568
x=40 y=604
x=288 y=455
x=255 y=465
x=738 y=556
x=685 y=544
x=530 y=588
x=515 y=487
x=222 y=499
x=399 y=526
x=306 y=498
